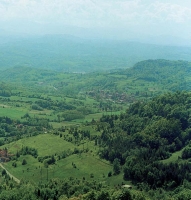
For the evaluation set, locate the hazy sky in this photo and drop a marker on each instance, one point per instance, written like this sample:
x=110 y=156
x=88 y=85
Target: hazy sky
x=112 y=18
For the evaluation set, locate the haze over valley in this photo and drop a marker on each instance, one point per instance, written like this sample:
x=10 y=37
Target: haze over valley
x=95 y=100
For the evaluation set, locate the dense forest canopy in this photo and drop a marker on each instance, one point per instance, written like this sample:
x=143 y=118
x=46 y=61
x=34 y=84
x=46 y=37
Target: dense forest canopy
x=146 y=135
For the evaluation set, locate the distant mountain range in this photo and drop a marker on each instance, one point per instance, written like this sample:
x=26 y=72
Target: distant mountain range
x=66 y=53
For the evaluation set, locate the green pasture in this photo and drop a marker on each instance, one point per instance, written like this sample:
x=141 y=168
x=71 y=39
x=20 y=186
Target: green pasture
x=12 y=112
x=64 y=123
x=86 y=166
x=22 y=99
x=46 y=144
x=174 y=157
x=49 y=144
x=97 y=116
x=83 y=165
x=88 y=118
x=57 y=98
x=114 y=180
x=25 y=172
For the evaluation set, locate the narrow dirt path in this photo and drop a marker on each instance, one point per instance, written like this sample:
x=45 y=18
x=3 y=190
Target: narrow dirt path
x=11 y=176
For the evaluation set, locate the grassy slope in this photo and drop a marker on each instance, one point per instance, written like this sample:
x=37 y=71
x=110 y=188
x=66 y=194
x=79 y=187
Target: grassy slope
x=46 y=144
x=86 y=163
x=174 y=157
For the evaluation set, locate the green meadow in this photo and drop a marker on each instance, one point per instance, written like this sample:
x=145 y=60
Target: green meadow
x=88 y=165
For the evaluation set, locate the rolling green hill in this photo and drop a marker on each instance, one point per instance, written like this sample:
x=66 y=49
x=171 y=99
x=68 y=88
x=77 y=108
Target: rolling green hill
x=144 y=78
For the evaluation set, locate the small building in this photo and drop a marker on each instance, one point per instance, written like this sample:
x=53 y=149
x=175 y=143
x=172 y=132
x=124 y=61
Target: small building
x=127 y=186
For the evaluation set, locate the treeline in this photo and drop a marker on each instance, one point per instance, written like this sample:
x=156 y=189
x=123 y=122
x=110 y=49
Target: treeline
x=52 y=105
x=25 y=150
x=67 y=111
x=82 y=189
x=5 y=93
x=5 y=90
x=157 y=174
x=147 y=133
x=11 y=130
x=63 y=189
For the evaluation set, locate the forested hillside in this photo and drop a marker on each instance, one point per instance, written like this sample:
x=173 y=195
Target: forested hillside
x=108 y=91
x=145 y=136
x=172 y=75
x=145 y=79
